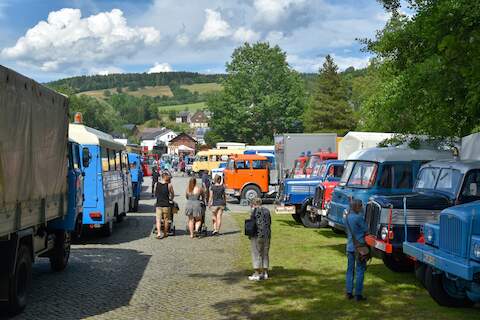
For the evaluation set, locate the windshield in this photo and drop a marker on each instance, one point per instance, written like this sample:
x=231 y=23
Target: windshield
x=313 y=161
x=346 y=173
x=363 y=175
x=231 y=164
x=298 y=164
x=319 y=170
x=223 y=165
x=446 y=180
x=471 y=187
x=201 y=158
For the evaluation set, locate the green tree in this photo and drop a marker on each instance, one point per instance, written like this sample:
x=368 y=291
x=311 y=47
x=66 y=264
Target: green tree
x=107 y=93
x=329 y=110
x=430 y=70
x=96 y=114
x=262 y=95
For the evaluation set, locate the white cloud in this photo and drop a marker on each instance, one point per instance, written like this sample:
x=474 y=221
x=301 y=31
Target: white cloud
x=246 y=35
x=271 y=11
x=106 y=71
x=215 y=27
x=66 y=40
x=307 y=64
x=160 y=67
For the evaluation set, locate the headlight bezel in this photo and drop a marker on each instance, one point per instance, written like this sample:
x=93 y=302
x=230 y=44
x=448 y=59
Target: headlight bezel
x=384 y=233
x=429 y=235
x=476 y=250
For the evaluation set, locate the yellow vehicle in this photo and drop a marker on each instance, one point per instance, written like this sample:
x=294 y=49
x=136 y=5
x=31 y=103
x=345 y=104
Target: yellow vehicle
x=211 y=159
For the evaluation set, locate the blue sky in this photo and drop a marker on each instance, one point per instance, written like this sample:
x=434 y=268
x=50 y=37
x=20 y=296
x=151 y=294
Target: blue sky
x=53 y=39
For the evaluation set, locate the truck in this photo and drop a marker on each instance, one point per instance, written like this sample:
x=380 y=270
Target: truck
x=289 y=146
x=440 y=184
x=448 y=262
x=40 y=183
x=295 y=195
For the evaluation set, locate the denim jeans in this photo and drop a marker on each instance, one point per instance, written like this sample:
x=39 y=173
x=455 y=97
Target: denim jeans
x=355 y=269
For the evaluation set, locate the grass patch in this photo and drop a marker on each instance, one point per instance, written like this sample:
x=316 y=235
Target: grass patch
x=156 y=91
x=203 y=87
x=308 y=282
x=182 y=107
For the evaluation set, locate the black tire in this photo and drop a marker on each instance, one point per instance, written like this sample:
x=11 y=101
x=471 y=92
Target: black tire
x=398 y=262
x=61 y=251
x=20 y=282
x=337 y=231
x=307 y=220
x=297 y=218
x=107 y=229
x=323 y=223
x=250 y=192
x=420 y=269
x=436 y=285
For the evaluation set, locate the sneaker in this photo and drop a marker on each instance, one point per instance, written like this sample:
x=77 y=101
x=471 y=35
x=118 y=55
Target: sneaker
x=348 y=296
x=360 y=298
x=255 y=277
x=265 y=275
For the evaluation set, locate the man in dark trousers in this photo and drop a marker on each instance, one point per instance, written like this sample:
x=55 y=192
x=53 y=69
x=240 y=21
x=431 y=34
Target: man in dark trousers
x=355 y=227
x=155 y=176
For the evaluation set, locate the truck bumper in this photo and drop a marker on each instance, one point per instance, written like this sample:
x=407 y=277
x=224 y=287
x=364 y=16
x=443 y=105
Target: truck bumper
x=232 y=192
x=378 y=244
x=460 y=267
x=317 y=211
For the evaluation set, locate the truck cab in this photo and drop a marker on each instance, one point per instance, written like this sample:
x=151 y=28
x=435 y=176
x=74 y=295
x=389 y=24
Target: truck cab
x=296 y=194
x=448 y=262
x=136 y=172
x=386 y=171
x=315 y=160
x=299 y=165
x=247 y=176
x=440 y=184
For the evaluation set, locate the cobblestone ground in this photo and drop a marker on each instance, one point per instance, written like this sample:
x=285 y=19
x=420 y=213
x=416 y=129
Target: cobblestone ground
x=132 y=275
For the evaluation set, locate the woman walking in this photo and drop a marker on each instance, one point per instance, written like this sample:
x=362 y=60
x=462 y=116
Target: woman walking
x=216 y=203
x=261 y=241
x=164 y=194
x=194 y=207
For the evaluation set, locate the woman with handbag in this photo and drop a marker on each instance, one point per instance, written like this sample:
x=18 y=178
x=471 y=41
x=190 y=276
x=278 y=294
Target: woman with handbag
x=195 y=207
x=259 y=231
x=358 y=253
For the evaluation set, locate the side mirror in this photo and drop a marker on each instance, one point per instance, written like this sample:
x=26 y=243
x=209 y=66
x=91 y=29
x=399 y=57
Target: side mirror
x=86 y=157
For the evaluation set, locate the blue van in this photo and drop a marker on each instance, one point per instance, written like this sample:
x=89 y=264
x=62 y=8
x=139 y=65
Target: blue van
x=385 y=171
x=296 y=194
x=106 y=192
x=449 y=260
x=136 y=172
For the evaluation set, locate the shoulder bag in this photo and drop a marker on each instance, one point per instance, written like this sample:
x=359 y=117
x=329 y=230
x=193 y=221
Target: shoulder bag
x=251 y=226
x=362 y=251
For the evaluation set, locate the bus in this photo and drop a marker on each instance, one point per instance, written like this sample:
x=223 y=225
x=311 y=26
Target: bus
x=107 y=195
x=205 y=161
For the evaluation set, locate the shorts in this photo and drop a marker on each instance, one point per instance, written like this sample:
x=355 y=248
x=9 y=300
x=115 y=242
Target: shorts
x=162 y=213
x=216 y=208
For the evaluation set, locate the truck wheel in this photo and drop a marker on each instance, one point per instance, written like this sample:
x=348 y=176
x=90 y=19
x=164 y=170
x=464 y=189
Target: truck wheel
x=20 y=282
x=250 y=192
x=420 y=269
x=297 y=218
x=398 y=262
x=61 y=251
x=323 y=223
x=107 y=228
x=444 y=291
x=308 y=221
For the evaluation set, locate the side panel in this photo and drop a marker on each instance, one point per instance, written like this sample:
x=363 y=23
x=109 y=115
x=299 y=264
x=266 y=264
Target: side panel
x=93 y=187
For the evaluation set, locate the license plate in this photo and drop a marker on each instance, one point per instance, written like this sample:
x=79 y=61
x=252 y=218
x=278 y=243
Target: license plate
x=429 y=259
x=285 y=209
x=380 y=245
x=331 y=224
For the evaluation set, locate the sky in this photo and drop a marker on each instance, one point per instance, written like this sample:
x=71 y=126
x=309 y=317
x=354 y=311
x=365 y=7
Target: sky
x=53 y=39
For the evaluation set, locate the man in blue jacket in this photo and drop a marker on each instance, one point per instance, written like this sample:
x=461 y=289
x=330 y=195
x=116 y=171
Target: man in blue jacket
x=355 y=225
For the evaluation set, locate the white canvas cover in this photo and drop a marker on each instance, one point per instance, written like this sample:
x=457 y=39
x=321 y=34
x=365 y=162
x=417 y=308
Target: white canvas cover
x=33 y=140
x=470 y=149
x=354 y=141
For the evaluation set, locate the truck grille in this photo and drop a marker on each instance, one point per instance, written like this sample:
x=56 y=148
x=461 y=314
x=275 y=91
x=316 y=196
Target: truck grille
x=318 y=196
x=372 y=217
x=451 y=230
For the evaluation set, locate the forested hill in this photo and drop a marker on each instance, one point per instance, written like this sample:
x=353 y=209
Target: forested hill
x=137 y=80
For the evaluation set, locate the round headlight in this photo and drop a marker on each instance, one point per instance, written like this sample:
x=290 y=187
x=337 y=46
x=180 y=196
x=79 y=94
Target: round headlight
x=430 y=235
x=345 y=212
x=476 y=250
x=384 y=233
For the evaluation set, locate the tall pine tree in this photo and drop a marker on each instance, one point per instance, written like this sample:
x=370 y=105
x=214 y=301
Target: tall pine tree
x=330 y=110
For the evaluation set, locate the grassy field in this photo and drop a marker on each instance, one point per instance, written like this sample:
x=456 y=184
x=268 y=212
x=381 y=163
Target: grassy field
x=203 y=87
x=308 y=282
x=146 y=91
x=182 y=107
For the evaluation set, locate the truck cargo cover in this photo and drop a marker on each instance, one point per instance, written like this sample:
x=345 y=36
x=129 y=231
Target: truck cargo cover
x=33 y=140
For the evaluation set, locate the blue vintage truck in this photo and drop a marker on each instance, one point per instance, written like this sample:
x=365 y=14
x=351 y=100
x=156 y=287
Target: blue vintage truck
x=296 y=194
x=449 y=260
x=385 y=171
x=136 y=172
x=41 y=183
x=440 y=184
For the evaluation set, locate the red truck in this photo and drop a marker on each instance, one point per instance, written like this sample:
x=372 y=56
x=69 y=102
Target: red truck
x=316 y=159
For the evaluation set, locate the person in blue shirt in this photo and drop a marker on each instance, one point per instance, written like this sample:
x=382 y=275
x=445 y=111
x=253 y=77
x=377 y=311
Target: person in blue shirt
x=355 y=224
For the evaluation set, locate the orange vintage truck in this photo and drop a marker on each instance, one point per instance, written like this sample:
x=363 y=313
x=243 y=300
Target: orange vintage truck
x=248 y=176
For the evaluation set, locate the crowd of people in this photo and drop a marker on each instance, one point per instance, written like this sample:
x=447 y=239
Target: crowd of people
x=200 y=196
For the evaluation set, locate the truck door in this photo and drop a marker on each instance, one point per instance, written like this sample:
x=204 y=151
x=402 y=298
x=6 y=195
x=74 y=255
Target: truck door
x=92 y=176
x=260 y=173
x=243 y=172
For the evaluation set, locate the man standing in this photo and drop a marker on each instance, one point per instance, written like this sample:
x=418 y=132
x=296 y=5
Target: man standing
x=155 y=176
x=356 y=229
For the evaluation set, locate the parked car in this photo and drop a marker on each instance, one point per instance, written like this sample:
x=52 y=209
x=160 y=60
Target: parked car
x=296 y=194
x=448 y=263
x=386 y=171
x=440 y=184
